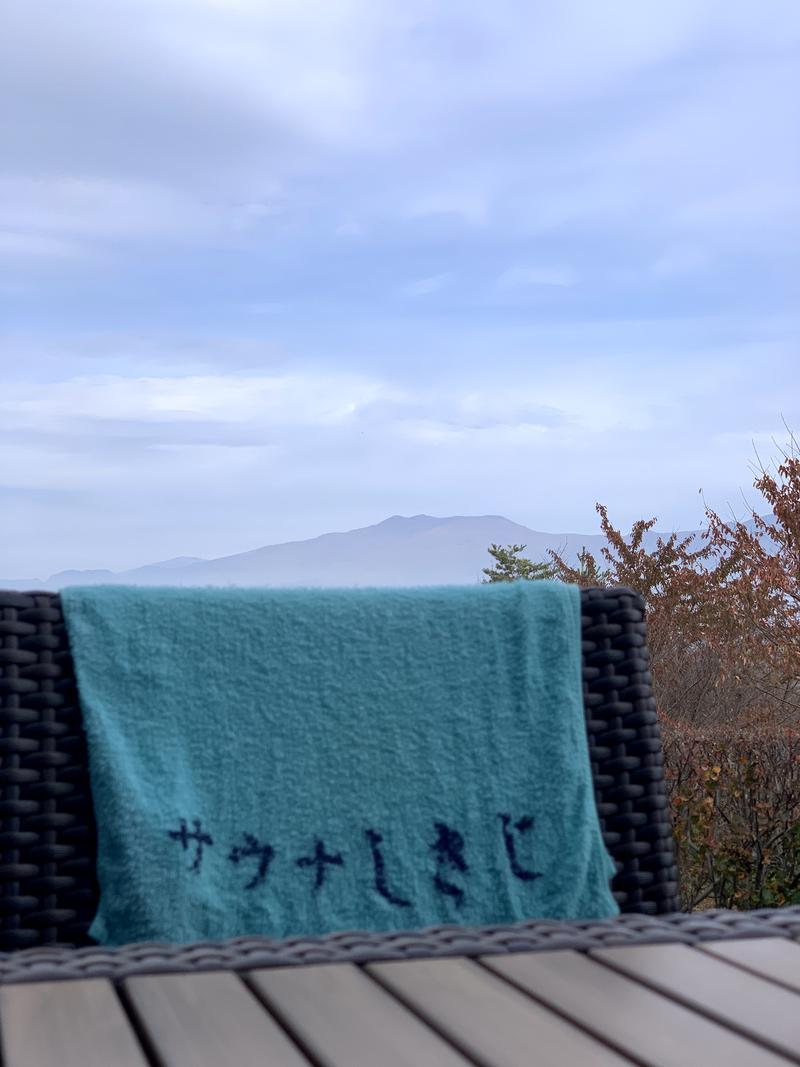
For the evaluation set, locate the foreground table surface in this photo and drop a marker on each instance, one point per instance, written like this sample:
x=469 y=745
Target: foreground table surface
x=734 y=1002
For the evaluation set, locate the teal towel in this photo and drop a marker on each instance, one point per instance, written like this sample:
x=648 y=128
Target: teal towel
x=299 y=761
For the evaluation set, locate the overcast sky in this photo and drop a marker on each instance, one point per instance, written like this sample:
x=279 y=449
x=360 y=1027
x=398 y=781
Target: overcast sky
x=270 y=269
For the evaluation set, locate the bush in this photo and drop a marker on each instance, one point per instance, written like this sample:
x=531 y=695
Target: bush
x=723 y=617
x=735 y=798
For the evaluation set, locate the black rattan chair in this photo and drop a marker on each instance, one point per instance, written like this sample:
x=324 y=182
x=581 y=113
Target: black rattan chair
x=48 y=889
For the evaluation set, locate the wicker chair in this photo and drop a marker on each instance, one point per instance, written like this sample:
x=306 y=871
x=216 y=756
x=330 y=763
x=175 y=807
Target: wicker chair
x=48 y=889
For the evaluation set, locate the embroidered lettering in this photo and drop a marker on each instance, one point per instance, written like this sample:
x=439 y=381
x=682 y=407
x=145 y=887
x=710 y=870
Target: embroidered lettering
x=522 y=826
x=375 y=840
x=320 y=860
x=253 y=847
x=449 y=850
x=198 y=836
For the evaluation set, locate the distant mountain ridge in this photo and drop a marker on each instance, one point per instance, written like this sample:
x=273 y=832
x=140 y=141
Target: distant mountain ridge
x=400 y=551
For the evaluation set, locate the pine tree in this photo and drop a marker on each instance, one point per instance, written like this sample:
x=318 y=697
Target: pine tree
x=511 y=567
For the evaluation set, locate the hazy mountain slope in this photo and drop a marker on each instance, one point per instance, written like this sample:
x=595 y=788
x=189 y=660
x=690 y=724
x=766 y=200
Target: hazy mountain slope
x=99 y=577
x=419 y=550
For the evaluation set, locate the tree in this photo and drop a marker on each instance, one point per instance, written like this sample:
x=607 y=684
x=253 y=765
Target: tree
x=723 y=606
x=586 y=575
x=759 y=586
x=510 y=566
x=723 y=614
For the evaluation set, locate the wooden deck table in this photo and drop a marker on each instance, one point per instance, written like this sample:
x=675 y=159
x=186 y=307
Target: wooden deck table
x=733 y=1001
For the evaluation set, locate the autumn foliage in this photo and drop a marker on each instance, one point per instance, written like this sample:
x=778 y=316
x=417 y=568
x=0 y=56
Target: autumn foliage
x=723 y=612
x=735 y=797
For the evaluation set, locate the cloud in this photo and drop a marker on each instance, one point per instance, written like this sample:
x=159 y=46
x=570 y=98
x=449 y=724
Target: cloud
x=295 y=399
x=34 y=360
x=680 y=261
x=761 y=215
x=66 y=216
x=21 y=246
x=209 y=210
x=349 y=228
x=264 y=308
x=261 y=127
x=426 y=286
x=567 y=405
x=532 y=277
x=210 y=464
x=471 y=207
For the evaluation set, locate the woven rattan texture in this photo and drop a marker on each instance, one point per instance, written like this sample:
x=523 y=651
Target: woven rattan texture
x=48 y=890
x=246 y=953
x=47 y=843
x=625 y=750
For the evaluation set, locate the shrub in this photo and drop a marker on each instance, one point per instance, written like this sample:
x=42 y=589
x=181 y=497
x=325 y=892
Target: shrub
x=723 y=617
x=735 y=799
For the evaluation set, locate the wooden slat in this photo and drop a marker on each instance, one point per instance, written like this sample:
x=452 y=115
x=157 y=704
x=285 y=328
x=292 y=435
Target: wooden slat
x=762 y=1010
x=208 y=1019
x=650 y=1027
x=777 y=958
x=346 y=1020
x=66 y=1024
x=489 y=1019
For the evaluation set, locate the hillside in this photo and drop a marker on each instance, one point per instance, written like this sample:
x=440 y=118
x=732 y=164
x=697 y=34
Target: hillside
x=416 y=550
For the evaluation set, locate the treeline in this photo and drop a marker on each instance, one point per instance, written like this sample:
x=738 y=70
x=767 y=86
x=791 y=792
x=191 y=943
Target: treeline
x=723 y=615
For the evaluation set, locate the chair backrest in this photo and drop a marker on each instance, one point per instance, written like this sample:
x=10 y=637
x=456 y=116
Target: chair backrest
x=48 y=887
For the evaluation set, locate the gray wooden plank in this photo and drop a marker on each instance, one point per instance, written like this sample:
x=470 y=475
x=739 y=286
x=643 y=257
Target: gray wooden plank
x=345 y=1019
x=761 y=1009
x=209 y=1018
x=493 y=1023
x=777 y=958
x=66 y=1024
x=646 y=1025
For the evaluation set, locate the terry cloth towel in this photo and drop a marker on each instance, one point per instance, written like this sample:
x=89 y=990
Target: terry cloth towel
x=299 y=761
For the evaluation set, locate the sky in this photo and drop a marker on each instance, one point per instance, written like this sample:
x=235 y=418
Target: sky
x=272 y=268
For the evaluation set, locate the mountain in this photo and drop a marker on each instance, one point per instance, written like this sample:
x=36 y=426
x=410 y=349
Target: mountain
x=416 y=550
